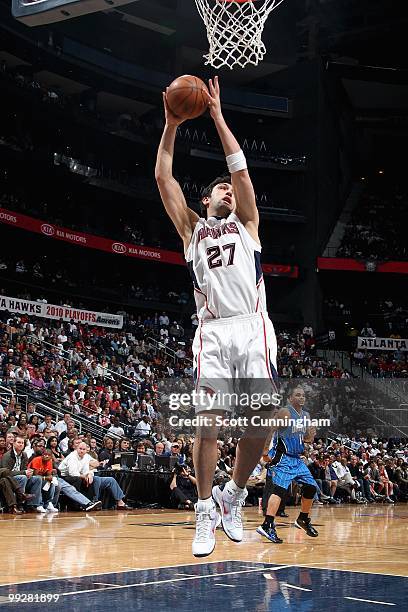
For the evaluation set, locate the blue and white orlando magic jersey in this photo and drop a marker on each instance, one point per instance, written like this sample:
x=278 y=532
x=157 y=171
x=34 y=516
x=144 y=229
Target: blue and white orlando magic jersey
x=224 y=262
x=290 y=440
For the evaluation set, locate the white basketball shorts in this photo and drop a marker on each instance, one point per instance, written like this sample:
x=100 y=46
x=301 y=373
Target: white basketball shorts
x=235 y=352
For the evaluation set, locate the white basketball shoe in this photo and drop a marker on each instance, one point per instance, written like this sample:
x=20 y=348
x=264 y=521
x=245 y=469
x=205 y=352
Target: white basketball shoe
x=207 y=521
x=230 y=503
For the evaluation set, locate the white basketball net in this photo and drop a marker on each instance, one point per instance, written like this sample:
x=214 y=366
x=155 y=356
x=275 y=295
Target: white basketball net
x=234 y=30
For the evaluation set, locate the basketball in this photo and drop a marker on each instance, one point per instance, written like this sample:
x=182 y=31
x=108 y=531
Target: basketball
x=186 y=98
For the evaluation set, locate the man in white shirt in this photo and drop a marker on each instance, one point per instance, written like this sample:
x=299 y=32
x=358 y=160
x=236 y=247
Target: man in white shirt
x=23 y=374
x=46 y=424
x=62 y=424
x=75 y=470
x=345 y=479
x=62 y=338
x=143 y=428
x=115 y=428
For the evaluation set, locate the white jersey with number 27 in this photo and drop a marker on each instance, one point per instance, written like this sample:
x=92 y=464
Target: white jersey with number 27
x=224 y=262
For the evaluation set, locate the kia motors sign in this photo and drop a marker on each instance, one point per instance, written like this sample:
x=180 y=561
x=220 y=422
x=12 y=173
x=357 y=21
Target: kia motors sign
x=47 y=229
x=118 y=247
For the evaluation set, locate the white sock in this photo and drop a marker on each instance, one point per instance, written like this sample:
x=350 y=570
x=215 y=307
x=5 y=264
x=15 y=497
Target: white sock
x=232 y=488
x=205 y=504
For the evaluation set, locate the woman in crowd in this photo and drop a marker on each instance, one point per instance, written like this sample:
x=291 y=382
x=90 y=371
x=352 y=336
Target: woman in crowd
x=386 y=482
x=52 y=445
x=93 y=448
x=37 y=379
x=401 y=476
x=34 y=420
x=21 y=426
x=104 y=418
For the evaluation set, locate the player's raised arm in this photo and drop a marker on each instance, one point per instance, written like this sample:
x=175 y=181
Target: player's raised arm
x=172 y=196
x=241 y=182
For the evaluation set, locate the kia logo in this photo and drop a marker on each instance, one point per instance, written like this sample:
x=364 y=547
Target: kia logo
x=118 y=247
x=47 y=229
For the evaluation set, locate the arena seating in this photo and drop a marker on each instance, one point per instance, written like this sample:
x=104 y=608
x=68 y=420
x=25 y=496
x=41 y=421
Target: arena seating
x=376 y=228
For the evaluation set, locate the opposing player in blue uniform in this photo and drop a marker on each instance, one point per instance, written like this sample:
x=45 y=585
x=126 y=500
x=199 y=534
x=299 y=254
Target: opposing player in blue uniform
x=285 y=465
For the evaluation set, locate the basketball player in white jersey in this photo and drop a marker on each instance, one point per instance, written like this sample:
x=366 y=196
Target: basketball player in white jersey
x=235 y=338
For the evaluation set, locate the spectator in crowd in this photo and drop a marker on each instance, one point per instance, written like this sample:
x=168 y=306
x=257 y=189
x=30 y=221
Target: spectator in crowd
x=46 y=424
x=12 y=492
x=15 y=460
x=159 y=450
x=175 y=451
x=356 y=471
x=93 y=448
x=116 y=429
x=372 y=475
x=143 y=428
x=3 y=445
x=107 y=452
x=124 y=445
x=330 y=477
x=43 y=467
x=401 y=476
x=385 y=482
x=9 y=440
x=52 y=445
x=75 y=470
x=317 y=469
x=183 y=488
x=62 y=424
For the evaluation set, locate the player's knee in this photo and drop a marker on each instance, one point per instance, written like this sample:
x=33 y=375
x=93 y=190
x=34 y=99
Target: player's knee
x=279 y=491
x=309 y=491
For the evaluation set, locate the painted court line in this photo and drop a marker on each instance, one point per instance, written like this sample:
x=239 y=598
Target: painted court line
x=316 y=565
x=383 y=603
x=107 y=572
x=292 y=586
x=231 y=586
x=353 y=571
x=105 y=584
x=181 y=574
x=169 y=580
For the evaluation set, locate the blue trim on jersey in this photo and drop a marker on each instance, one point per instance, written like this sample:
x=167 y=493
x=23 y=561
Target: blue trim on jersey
x=258 y=266
x=275 y=374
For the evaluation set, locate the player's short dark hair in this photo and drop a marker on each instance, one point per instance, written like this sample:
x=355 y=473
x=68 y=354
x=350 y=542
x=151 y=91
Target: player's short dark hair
x=207 y=191
x=293 y=388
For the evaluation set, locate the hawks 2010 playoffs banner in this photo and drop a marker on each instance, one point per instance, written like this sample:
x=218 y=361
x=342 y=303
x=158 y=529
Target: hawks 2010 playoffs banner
x=53 y=311
x=383 y=344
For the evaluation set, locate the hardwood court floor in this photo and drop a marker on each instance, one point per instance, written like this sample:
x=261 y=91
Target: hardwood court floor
x=370 y=539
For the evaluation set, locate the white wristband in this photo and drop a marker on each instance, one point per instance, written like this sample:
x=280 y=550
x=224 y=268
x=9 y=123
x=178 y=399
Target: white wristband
x=236 y=162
